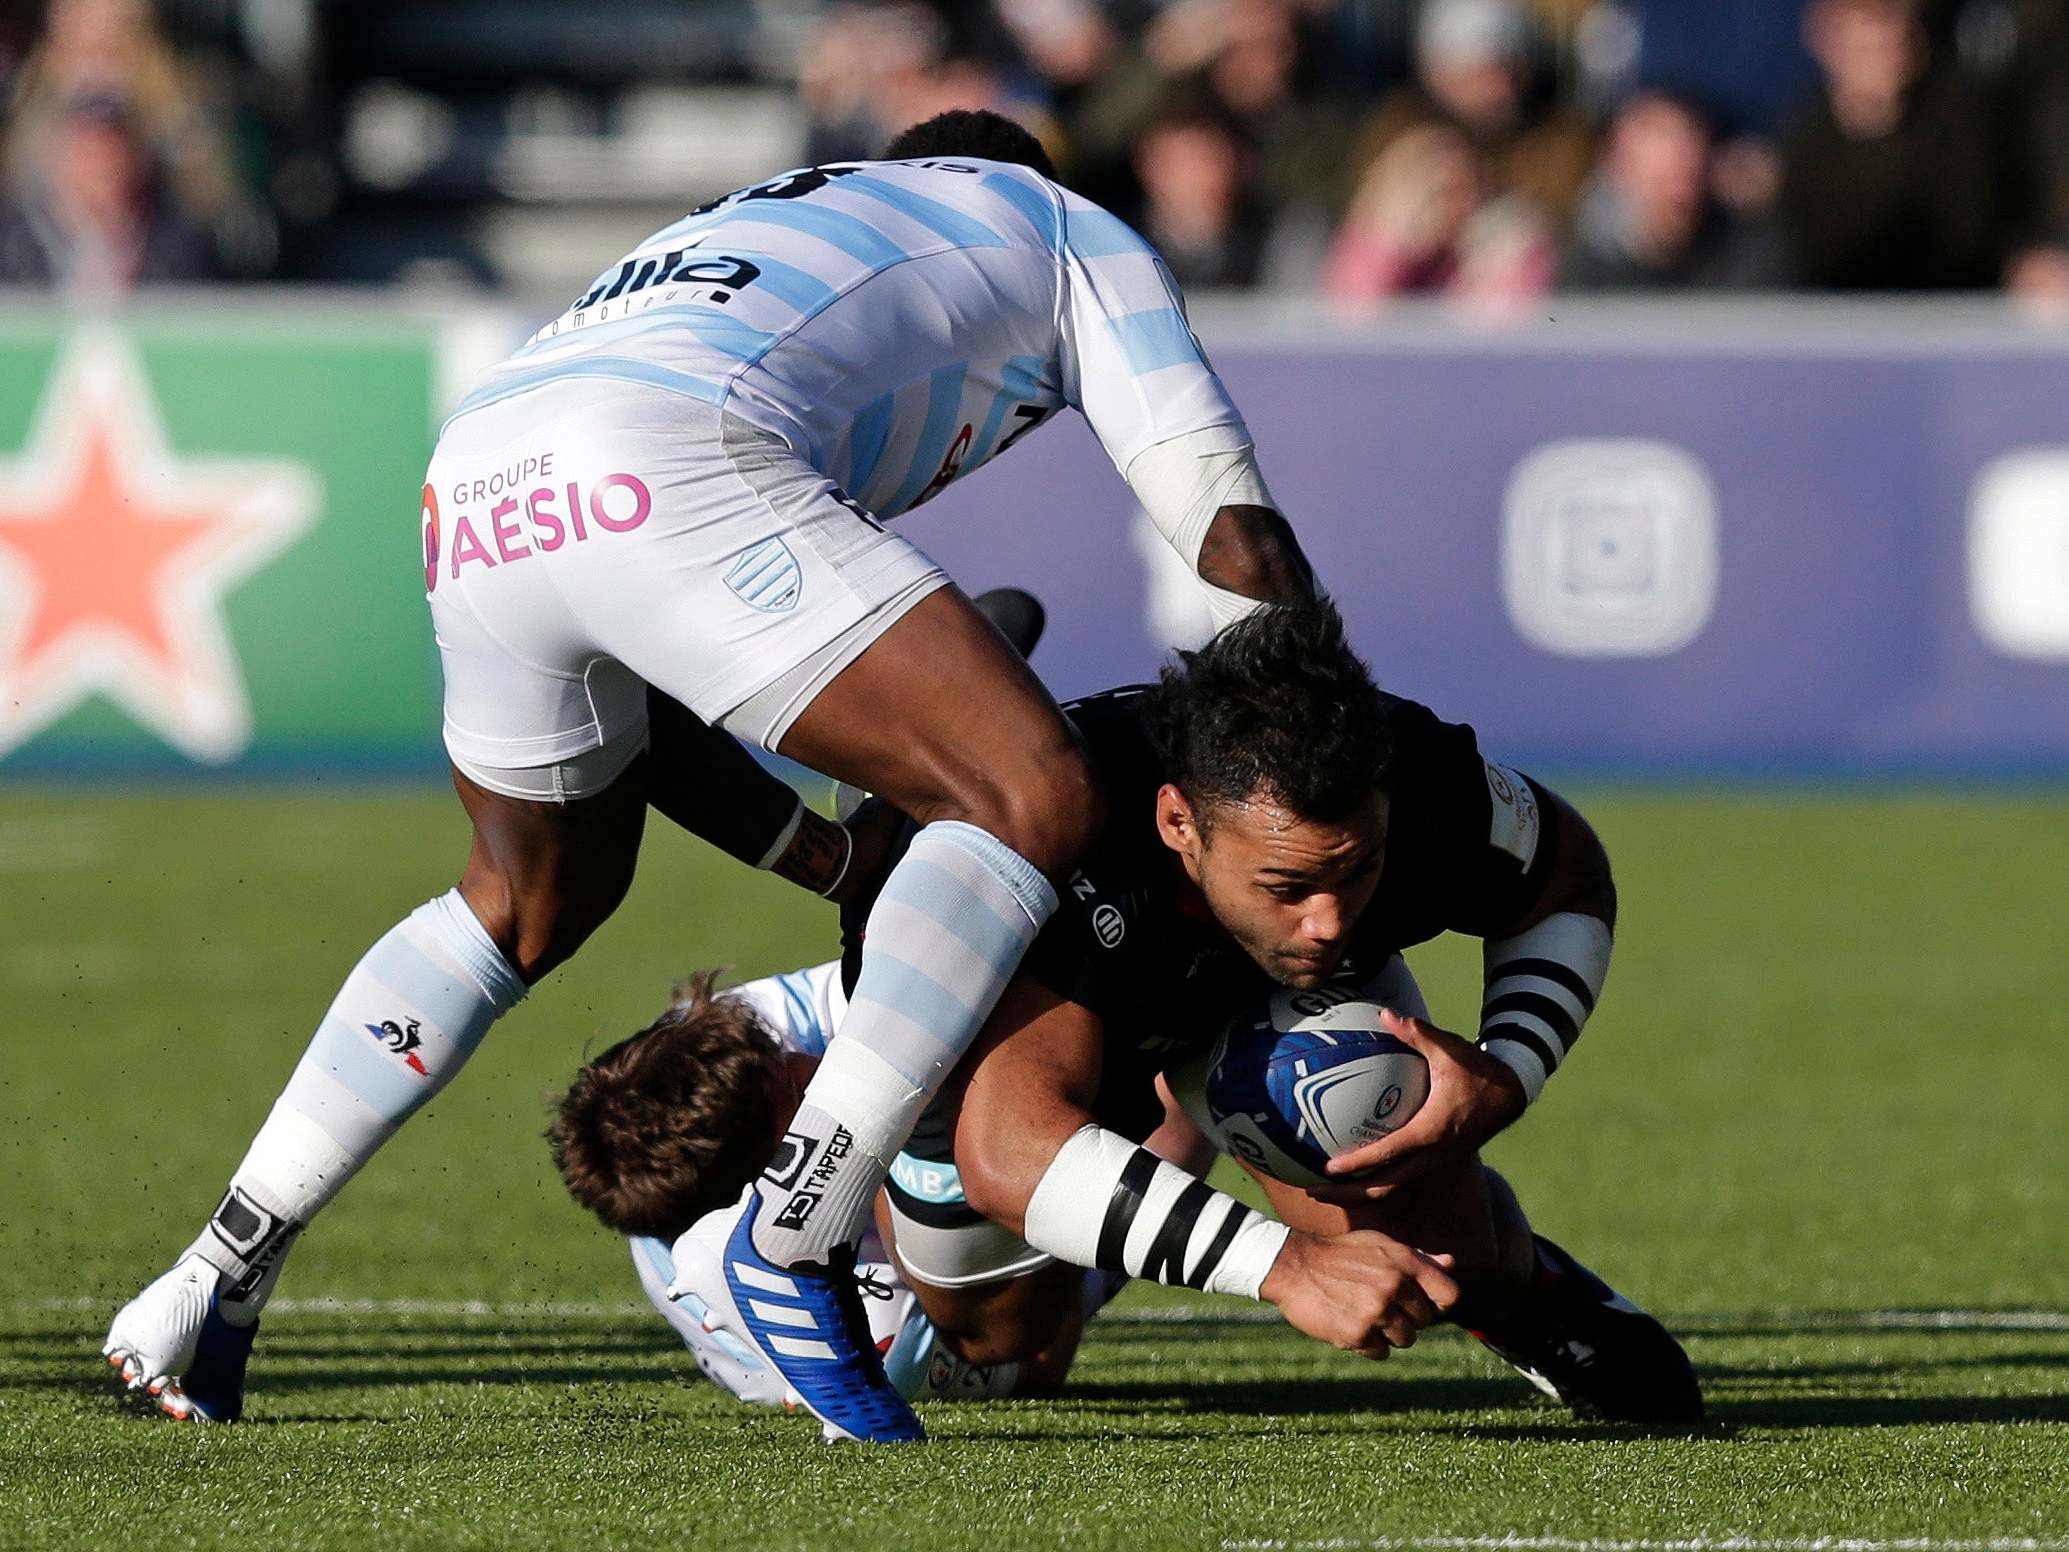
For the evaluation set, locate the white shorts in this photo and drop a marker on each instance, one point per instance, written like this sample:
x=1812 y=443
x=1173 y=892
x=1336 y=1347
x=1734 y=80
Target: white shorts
x=584 y=540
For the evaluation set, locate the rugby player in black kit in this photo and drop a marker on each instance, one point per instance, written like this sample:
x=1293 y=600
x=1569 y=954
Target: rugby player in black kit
x=1277 y=820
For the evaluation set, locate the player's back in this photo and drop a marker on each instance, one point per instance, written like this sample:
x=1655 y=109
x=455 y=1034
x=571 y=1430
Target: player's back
x=895 y=324
x=884 y=319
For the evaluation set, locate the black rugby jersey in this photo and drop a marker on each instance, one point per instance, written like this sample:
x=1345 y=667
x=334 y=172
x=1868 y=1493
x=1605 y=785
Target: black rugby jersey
x=1131 y=940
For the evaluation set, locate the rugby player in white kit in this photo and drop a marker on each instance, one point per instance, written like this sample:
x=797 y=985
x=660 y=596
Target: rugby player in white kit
x=678 y=486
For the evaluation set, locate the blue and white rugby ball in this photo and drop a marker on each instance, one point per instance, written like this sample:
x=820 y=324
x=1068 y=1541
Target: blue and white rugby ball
x=1307 y=1076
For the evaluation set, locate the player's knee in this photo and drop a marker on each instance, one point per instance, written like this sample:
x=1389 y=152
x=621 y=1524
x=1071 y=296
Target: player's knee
x=1019 y=1327
x=539 y=923
x=1043 y=1375
x=996 y=1182
x=1002 y=1341
x=1049 y=810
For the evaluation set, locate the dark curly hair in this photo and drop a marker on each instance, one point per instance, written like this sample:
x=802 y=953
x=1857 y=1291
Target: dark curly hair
x=974 y=132
x=673 y=1122
x=1277 y=706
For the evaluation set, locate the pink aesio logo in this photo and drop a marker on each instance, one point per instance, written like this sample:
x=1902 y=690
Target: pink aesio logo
x=554 y=515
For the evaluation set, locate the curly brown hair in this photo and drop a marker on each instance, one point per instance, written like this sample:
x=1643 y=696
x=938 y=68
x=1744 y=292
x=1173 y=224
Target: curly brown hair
x=673 y=1122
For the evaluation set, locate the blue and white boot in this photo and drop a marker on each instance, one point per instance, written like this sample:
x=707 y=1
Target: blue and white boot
x=172 y=1344
x=809 y=1323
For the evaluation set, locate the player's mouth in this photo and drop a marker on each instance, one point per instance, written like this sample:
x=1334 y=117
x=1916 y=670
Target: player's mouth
x=1304 y=970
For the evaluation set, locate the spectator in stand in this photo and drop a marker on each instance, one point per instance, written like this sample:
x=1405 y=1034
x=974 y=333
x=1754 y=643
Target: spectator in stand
x=869 y=71
x=173 y=114
x=1473 y=73
x=860 y=68
x=1422 y=224
x=1068 y=44
x=1745 y=60
x=2038 y=269
x=1888 y=182
x=1199 y=206
x=1251 y=57
x=1650 y=219
x=92 y=219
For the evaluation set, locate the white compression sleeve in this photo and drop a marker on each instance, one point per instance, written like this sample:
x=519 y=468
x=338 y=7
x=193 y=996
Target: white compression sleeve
x=1184 y=482
x=1106 y=1203
x=1541 y=986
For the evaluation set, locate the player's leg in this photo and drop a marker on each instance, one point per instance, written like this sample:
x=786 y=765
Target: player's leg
x=545 y=732
x=1528 y=1301
x=540 y=877
x=945 y=721
x=1016 y=1337
x=841 y=646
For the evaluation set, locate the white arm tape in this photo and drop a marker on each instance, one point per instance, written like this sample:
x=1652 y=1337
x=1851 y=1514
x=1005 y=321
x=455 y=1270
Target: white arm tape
x=1106 y=1203
x=784 y=837
x=1541 y=986
x=1183 y=483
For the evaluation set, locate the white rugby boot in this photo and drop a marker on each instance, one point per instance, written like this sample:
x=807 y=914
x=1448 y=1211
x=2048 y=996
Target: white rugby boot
x=172 y=1344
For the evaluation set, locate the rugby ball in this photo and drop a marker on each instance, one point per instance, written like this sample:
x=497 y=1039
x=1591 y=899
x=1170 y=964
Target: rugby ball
x=1306 y=1076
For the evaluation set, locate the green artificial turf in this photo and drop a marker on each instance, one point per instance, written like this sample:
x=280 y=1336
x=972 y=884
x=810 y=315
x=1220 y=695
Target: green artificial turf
x=1821 y=1125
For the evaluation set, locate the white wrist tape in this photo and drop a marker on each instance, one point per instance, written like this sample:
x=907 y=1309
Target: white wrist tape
x=1184 y=483
x=784 y=837
x=847 y=859
x=1541 y=986
x=1106 y=1203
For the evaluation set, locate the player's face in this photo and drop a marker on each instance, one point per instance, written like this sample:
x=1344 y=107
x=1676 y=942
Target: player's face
x=1287 y=889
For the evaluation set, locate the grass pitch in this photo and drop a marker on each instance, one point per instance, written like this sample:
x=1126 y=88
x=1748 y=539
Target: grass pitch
x=1821 y=1125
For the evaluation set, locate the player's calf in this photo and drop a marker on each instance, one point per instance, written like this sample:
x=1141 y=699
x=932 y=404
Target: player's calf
x=407 y=1018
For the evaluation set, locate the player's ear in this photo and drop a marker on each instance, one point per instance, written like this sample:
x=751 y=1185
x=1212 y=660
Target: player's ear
x=1176 y=822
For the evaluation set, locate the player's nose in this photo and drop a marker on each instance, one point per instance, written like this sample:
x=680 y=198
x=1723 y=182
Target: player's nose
x=1325 y=921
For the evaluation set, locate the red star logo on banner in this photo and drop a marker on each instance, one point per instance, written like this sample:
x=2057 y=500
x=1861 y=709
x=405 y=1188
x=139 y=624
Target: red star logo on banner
x=116 y=555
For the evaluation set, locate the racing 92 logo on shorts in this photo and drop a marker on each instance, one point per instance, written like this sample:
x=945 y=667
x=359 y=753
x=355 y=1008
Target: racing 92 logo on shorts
x=766 y=576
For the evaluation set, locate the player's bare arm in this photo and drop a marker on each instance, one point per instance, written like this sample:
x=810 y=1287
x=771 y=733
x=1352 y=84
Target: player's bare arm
x=1034 y=1159
x=1561 y=941
x=1252 y=551
x=704 y=780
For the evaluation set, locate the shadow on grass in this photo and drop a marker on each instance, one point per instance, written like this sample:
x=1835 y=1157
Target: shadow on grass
x=1306 y=1397
x=1832 y=1323
x=1781 y=1371
x=310 y=1361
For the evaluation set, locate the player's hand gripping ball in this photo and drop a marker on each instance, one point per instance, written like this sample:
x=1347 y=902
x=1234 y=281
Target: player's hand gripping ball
x=1307 y=1076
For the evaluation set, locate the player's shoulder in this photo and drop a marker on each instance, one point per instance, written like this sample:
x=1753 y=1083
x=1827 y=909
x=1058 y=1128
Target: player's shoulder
x=1119 y=715
x=801 y=1007
x=1423 y=744
x=1459 y=797
x=1112 y=929
x=1115 y=726
x=1056 y=216
x=1016 y=203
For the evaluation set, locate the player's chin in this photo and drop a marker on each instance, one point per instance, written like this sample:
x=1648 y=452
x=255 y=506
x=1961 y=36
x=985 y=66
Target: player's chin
x=1303 y=972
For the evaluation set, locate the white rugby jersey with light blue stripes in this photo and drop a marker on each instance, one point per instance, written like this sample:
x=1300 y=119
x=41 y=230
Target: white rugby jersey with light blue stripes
x=803 y=1008
x=895 y=323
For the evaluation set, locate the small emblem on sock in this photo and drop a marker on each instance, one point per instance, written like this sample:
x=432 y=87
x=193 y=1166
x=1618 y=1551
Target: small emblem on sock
x=403 y=1040
x=256 y=1236
x=789 y=1163
x=811 y=1189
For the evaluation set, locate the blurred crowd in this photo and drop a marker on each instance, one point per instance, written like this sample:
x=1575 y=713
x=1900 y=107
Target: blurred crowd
x=1486 y=151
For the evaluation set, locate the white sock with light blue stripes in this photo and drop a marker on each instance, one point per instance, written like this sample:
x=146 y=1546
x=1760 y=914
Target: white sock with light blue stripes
x=943 y=938
x=405 y=1021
